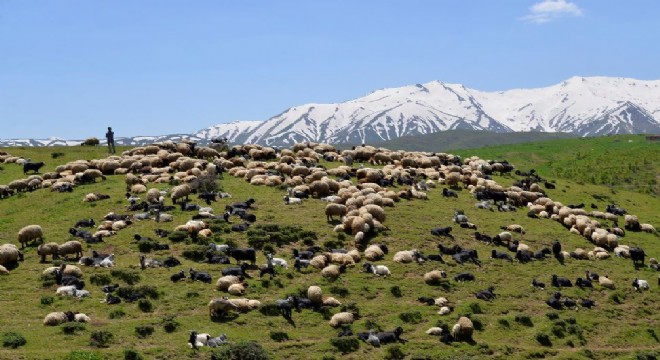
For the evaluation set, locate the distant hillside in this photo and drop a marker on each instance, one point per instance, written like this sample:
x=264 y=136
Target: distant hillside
x=628 y=162
x=465 y=139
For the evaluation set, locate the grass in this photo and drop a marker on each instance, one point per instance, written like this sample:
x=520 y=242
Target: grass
x=613 y=329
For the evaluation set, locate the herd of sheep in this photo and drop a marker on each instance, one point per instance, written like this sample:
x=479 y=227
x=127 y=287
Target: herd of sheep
x=357 y=198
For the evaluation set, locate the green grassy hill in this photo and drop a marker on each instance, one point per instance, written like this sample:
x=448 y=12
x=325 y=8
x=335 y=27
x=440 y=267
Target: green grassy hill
x=624 y=325
x=466 y=139
x=629 y=162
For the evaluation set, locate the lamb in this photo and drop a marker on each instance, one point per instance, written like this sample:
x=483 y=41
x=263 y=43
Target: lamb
x=463 y=329
x=108 y=261
x=647 y=228
x=30 y=233
x=342 y=318
x=237 y=289
x=434 y=277
x=197 y=340
x=67 y=290
x=640 y=284
x=83 y=318
x=92 y=197
x=225 y=282
x=57 y=318
x=380 y=270
x=291 y=200
x=330 y=301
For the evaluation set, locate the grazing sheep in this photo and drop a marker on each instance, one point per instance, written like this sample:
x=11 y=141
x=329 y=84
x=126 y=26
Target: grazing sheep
x=434 y=277
x=30 y=233
x=180 y=191
x=605 y=282
x=647 y=228
x=57 y=318
x=10 y=255
x=463 y=329
x=342 y=318
x=333 y=209
x=315 y=294
x=221 y=306
x=72 y=247
x=333 y=271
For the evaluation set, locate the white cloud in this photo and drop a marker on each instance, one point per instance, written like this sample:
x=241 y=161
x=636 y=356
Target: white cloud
x=548 y=10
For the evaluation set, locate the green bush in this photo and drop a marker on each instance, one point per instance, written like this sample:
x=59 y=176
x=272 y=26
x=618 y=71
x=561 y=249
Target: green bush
x=339 y=291
x=195 y=253
x=100 y=338
x=72 y=328
x=394 y=353
x=145 y=305
x=178 y=236
x=552 y=315
x=169 y=323
x=475 y=308
x=279 y=336
x=524 y=320
x=543 y=339
x=47 y=300
x=504 y=323
x=100 y=279
x=132 y=354
x=346 y=344
x=13 y=340
x=116 y=314
x=144 y=331
x=244 y=350
x=277 y=235
x=396 y=291
x=83 y=355
x=129 y=277
x=412 y=317
x=146 y=290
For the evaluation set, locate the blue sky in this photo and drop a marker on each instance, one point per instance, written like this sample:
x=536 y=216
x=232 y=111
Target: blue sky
x=70 y=68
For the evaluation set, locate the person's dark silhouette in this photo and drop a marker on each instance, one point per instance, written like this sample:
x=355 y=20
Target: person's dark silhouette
x=110 y=136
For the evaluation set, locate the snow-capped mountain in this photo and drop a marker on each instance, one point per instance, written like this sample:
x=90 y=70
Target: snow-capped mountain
x=584 y=106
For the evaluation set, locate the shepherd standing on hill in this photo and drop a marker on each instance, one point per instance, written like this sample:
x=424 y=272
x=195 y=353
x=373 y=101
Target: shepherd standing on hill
x=110 y=136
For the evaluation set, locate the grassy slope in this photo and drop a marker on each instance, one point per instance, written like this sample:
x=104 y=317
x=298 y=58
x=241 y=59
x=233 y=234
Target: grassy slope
x=621 y=162
x=611 y=330
x=465 y=139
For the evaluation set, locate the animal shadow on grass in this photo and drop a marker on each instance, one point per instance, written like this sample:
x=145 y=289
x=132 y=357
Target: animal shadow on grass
x=224 y=319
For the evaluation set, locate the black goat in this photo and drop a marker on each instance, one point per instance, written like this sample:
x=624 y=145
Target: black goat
x=583 y=283
x=499 y=255
x=442 y=231
x=85 y=223
x=240 y=227
x=482 y=237
x=178 y=276
x=426 y=300
x=305 y=255
x=171 y=262
x=554 y=301
x=467 y=255
x=538 y=284
x=111 y=299
x=235 y=270
x=30 y=166
x=556 y=249
x=487 y=295
x=452 y=250
x=216 y=259
x=243 y=254
x=465 y=276
x=560 y=281
x=637 y=255
x=200 y=276
x=587 y=303
x=108 y=289
x=524 y=256
x=390 y=336
x=449 y=193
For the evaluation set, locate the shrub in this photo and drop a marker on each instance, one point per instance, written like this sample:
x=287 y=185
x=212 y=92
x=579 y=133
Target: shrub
x=47 y=300
x=346 y=344
x=178 y=236
x=47 y=281
x=279 y=336
x=169 y=323
x=617 y=297
x=90 y=142
x=72 y=328
x=244 y=350
x=83 y=355
x=475 y=308
x=524 y=320
x=129 y=277
x=504 y=323
x=100 y=338
x=414 y=317
x=276 y=235
x=100 y=279
x=116 y=314
x=558 y=331
x=130 y=291
x=13 y=340
x=543 y=339
x=131 y=354
x=144 y=331
x=394 y=353
x=552 y=315
x=396 y=291
x=145 y=305
x=55 y=155
x=370 y=324
x=477 y=324
x=339 y=291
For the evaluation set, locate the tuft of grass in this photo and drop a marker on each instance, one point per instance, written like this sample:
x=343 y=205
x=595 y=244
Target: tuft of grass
x=144 y=331
x=128 y=276
x=411 y=317
x=47 y=300
x=100 y=279
x=116 y=314
x=169 y=323
x=132 y=354
x=100 y=338
x=346 y=345
x=243 y=350
x=72 y=328
x=524 y=320
x=279 y=336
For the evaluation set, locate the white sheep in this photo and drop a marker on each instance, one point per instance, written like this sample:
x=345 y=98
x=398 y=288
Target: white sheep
x=30 y=233
x=444 y=310
x=180 y=191
x=9 y=254
x=245 y=305
x=406 y=256
x=342 y=318
x=315 y=294
x=221 y=306
x=434 y=277
x=236 y=289
x=67 y=290
x=605 y=282
x=108 y=261
x=463 y=329
x=72 y=247
x=640 y=284
x=330 y=301
x=434 y=331
x=331 y=271
x=3 y=270
x=57 y=318
x=226 y=281
x=83 y=318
